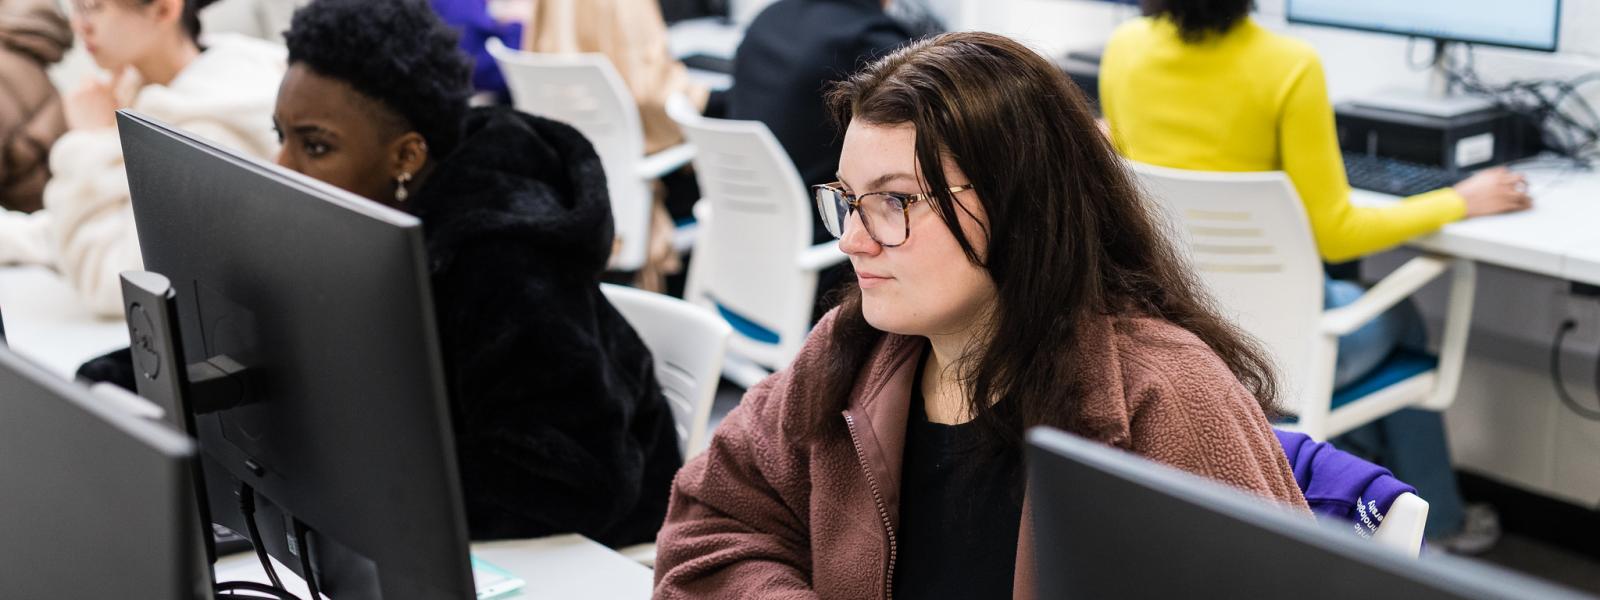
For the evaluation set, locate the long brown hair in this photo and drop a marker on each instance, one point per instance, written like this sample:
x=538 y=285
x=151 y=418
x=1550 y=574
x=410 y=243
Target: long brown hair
x=1071 y=238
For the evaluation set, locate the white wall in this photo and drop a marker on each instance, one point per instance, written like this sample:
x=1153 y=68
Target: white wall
x=1507 y=421
x=1356 y=62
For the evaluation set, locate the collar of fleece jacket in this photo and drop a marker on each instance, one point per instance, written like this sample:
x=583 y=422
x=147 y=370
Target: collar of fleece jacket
x=519 y=178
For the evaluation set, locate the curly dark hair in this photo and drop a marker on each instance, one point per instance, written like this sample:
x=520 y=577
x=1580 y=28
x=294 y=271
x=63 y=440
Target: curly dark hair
x=397 y=53
x=1198 y=19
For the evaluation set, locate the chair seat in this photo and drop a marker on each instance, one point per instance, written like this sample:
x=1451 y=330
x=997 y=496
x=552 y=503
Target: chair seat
x=746 y=327
x=1403 y=364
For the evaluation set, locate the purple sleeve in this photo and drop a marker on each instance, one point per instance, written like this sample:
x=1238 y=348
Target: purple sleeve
x=1340 y=486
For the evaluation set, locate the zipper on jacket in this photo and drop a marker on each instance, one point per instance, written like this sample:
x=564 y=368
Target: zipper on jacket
x=877 y=497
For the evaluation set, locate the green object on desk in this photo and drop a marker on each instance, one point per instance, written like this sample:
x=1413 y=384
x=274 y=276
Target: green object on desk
x=492 y=581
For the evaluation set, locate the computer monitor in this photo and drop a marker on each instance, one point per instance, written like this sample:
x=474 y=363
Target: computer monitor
x=1527 y=24
x=94 y=502
x=1109 y=524
x=310 y=363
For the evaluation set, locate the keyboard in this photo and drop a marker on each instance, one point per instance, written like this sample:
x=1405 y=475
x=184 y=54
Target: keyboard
x=1396 y=177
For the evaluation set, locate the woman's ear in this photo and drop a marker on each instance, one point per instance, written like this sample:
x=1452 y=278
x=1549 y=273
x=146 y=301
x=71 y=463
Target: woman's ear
x=409 y=154
x=168 y=11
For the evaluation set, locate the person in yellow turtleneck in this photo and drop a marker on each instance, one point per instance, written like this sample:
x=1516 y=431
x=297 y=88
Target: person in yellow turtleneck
x=1242 y=98
x=1199 y=85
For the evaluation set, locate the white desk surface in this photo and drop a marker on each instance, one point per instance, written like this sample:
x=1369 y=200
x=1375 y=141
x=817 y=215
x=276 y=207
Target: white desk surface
x=45 y=321
x=564 y=566
x=712 y=36
x=1583 y=262
x=1558 y=237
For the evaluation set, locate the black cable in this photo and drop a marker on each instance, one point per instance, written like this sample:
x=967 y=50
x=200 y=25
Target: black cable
x=1573 y=134
x=1561 y=384
x=303 y=541
x=232 y=589
x=247 y=507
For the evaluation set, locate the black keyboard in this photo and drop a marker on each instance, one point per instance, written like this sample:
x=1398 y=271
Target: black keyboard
x=1396 y=177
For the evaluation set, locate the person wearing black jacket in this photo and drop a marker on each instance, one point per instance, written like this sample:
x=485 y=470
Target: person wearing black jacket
x=560 y=425
x=790 y=54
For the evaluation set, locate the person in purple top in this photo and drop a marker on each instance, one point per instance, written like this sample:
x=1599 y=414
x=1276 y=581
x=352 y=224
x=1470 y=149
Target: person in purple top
x=1340 y=486
x=472 y=19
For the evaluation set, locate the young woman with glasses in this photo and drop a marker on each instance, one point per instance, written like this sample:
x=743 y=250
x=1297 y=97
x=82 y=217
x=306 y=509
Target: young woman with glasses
x=1009 y=275
x=155 y=62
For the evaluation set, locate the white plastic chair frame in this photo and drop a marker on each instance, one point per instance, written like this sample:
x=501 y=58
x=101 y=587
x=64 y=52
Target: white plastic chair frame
x=768 y=271
x=585 y=91
x=1247 y=233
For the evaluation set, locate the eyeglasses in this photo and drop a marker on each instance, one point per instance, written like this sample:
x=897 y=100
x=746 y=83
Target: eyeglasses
x=886 y=215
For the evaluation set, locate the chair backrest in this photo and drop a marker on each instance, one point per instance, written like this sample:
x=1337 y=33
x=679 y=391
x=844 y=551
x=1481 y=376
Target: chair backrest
x=1247 y=237
x=760 y=224
x=585 y=91
x=688 y=343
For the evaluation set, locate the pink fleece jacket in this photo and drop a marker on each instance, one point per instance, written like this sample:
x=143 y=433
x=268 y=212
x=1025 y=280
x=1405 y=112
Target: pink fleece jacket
x=762 y=514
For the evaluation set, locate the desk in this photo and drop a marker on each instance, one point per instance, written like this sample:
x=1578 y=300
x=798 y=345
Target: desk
x=711 y=36
x=1551 y=239
x=45 y=321
x=564 y=566
x=1583 y=262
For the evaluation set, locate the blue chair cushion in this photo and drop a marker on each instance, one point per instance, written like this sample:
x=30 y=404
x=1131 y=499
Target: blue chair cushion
x=745 y=326
x=1401 y=365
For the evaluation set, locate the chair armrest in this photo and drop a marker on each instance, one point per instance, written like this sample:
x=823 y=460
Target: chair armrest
x=683 y=236
x=1399 y=285
x=1457 y=330
x=666 y=161
x=821 y=256
x=1401 y=529
x=681 y=110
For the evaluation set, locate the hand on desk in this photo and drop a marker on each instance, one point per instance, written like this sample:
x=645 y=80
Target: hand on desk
x=1495 y=191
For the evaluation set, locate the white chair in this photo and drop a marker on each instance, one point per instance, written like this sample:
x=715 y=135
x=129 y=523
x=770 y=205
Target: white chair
x=754 y=263
x=688 y=344
x=1401 y=529
x=1247 y=237
x=585 y=91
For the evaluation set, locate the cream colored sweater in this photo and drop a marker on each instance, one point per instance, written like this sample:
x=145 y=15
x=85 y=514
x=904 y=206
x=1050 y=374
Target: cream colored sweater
x=86 y=230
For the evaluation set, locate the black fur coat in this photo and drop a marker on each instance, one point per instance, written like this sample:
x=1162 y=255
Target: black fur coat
x=560 y=424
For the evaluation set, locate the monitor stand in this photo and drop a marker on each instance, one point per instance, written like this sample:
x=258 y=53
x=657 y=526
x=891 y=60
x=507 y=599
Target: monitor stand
x=1438 y=100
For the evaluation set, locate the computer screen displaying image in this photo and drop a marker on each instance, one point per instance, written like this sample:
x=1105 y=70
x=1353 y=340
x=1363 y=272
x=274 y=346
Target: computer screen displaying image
x=1528 y=24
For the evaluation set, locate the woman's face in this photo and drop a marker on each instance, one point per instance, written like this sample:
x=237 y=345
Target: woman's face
x=925 y=286
x=120 y=33
x=333 y=133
